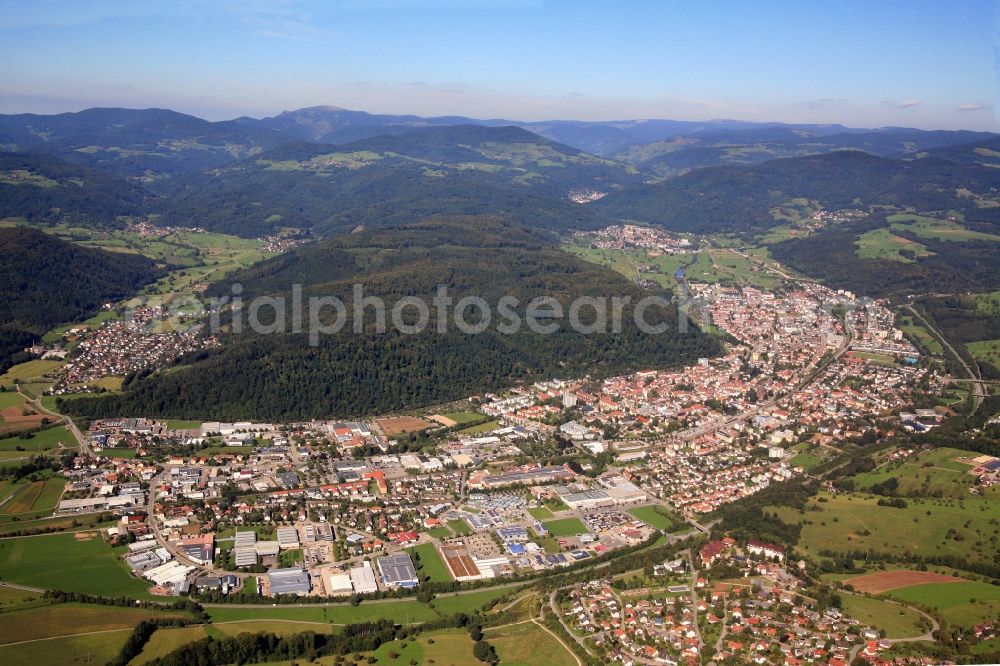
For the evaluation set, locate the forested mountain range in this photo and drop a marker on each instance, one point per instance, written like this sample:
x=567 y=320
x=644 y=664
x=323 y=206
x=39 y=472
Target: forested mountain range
x=43 y=188
x=741 y=199
x=48 y=281
x=280 y=376
x=677 y=155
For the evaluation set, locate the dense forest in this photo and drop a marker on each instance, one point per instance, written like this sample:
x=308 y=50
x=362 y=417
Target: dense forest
x=49 y=282
x=40 y=188
x=282 y=377
x=831 y=256
x=740 y=199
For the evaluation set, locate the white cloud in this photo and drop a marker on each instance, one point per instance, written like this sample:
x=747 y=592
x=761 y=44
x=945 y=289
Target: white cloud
x=972 y=107
x=909 y=103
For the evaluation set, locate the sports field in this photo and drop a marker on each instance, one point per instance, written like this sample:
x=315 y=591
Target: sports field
x=399 y=425
x=65 y=562
x=429 y=563
x=565 y=527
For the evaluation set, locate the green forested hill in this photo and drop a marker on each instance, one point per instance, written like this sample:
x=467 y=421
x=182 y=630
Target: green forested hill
x=45 y=189
x=740 y=199
x=48 y=281
x=253 y=199
x=281 y=377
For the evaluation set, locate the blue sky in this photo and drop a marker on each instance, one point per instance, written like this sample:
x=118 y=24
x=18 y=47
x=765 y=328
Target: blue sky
x=916 y=63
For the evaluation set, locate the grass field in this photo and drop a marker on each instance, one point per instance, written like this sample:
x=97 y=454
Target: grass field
x=10 y=399
x=463 y=417
x=68 y=619
x=404 y=612
x=482 y=427
x=29 y=370
x=540 y=513
x=920 y=335
x=446 y=647
x=467 y=602
x=963 y=604
x=935 y=473
x=459 y=527
x=183 y=425
x=430 y=563
x=440 y=532
x=37 y=496
x=43 y=440
x=896 y=621
x=565 y=527
x=164 y=641
x=527 y=644
x=70 y=651
x=656 y=516
x=852 y=521
x=985 y=350
x=884 y=244
x=62 y=562
x=929 y=227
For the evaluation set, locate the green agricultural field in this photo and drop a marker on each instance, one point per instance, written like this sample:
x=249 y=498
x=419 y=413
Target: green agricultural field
x=897 y=621
x=527 y=644
x=28 y=521
x=963 y=604
x=69 y=619
x=117 y=453
x=935 y=473
x=468 y=602
x=658 y=517
x=429 y=563
x=10 y=399
x=565 y=527
x=43 y=440
x=929 y=227
x=459 y=527
x=70 y=651
x=883 y=244
x=25 y=372
x=63 y=562
x=403 y=611
x=852 y=521
x=34 y=497
x=282 y=628
x=166 y=640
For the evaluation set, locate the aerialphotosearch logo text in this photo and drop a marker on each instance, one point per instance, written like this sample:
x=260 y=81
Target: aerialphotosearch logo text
x=319 y=316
